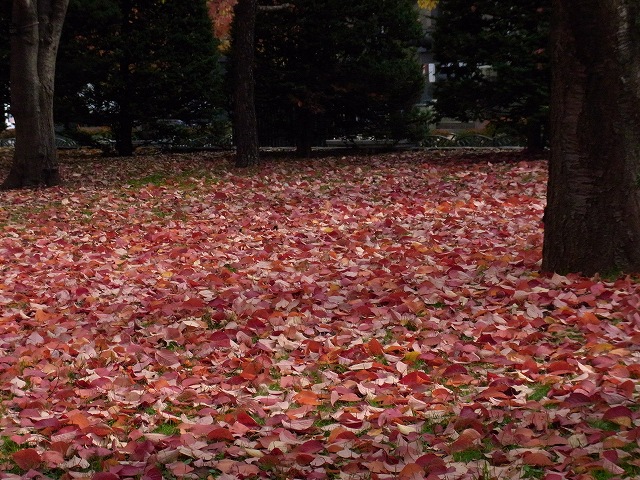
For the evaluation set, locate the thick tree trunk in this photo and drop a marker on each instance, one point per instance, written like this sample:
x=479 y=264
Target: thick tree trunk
x=35 y=35
x=592 y=221
x=245 y=125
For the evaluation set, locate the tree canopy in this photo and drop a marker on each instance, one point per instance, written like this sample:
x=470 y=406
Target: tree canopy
x=338 y=67
x=493 y=60
x=123 y=62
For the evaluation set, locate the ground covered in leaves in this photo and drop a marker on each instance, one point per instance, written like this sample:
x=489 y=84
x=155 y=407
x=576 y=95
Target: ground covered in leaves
x=372 y=317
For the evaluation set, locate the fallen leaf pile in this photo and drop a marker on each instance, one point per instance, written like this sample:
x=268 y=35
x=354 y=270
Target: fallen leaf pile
x=349 y=317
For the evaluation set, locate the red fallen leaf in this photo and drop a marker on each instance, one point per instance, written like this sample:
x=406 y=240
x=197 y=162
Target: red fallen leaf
x=455 y=369
x=79 y=419
x=588 y=318
x=560 y=367
x=634 y=370
x=577 y=399
x=537 y=459
x=375 y=347
x=415 y=377
x=627 y=388
x=340 y=432
x=467 y=439
x=52 y=458
x=99 y=430
x=193 y=303
x=313 y=346
x=250 y=370
x=310 y=446
x=27 y=458
x=621 y=415
x=246 y=420
x=51 y=422
x=498 y=457
x=218 y=339
x=350 y=421
x=306 y=397
x=432 y=463
x=411 y=471
x=305 y=458
x=604 y=362
x=220 y=434
x=611 y=455
x=153 y=473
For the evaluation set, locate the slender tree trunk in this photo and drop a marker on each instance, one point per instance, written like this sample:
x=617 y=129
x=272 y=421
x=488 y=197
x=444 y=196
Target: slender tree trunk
x=592 y=221
x=535 y=136
x=303 y=133
x=245 y=125
x=124 y=126
x=35 y=36
x=124 y=134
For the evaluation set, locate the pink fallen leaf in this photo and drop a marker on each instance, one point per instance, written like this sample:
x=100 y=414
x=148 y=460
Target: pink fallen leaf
x=180 y=468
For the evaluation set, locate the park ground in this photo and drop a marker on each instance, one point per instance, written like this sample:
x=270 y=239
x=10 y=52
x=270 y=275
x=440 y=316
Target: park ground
x=343 y=317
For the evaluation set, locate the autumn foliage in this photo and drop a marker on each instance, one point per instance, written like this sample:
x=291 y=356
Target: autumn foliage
x=221 y=13
x=350 y=317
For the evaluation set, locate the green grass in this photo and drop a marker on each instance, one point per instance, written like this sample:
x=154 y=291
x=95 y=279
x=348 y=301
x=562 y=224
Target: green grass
x=324 y=422
x=468 y=455
x=529 y=471
x=601 y=474
x=155 y=179
x=604 y=425
x=540 y=391
x=167 y=429
x=8 y=446
x=172 y=345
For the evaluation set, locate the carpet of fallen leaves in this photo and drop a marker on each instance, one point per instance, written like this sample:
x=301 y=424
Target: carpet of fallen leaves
x=374 y=317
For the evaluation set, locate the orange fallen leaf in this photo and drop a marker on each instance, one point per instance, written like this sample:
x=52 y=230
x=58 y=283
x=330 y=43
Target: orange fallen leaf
x=307 y=397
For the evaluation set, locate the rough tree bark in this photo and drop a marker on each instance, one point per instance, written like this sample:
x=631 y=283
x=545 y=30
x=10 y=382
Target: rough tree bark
x=35 y=36
x=243 y=83
x=592 y=220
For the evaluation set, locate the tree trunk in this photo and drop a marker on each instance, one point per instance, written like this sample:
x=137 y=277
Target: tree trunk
x=245 y=125
x=592 y=220
x=35 y=36
x=124 y=134
x=304 y=138
x=535 y=136
x=124 y=126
